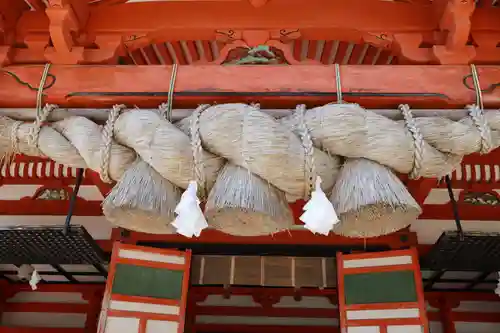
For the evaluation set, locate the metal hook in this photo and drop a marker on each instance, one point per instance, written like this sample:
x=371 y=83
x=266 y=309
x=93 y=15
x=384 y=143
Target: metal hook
x=454 y=207
x=488 y=89
x=72 y=201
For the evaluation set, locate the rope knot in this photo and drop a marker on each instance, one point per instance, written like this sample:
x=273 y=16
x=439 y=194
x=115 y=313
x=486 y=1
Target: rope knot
x=307 y=144
x=479 y=120
x=40 y=120
x=418 y=140
x=107 y=139
x=197 y=149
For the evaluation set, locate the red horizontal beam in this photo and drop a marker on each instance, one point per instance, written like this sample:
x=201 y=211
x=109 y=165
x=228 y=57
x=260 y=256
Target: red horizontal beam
x=219 y=328
x=466 y=212
x=277 y=14
x=49 y=207
x=46 y=307
x=267 y=312
x=4 y=329
x=293 y=237
x=42 y=287
x=273 y=86
x=194 y=20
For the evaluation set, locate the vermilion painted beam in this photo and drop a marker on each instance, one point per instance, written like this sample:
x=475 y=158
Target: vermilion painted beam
x=208 y=16
x=272 y=86
x=277 y=14
x=395 y=240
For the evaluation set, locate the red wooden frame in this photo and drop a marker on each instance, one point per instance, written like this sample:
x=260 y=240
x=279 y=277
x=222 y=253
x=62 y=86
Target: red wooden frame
x=414 y=266
x=198 y=293
x=143 y=316
x=74 y=32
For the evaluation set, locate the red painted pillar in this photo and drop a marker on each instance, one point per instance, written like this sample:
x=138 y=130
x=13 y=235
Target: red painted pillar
x=94 y=309
x=3 y=297
x=446 y=307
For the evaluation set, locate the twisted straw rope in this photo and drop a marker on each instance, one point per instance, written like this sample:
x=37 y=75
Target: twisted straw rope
x=344 y=129
x=198 y=150
x=107 y=138
x=310 y=170
x=418 y=140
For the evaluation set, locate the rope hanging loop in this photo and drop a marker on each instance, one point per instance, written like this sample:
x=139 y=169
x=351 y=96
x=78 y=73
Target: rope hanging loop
x=418 y=140
x=107 y=139
x=477 y=114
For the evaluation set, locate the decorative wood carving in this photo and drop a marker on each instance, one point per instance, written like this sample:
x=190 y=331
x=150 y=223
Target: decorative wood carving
x=52 y=194
x=456 y=22
x=481 y=198
x=448 y=46
x=71 y=44
x=239 y=43
x=10 y=11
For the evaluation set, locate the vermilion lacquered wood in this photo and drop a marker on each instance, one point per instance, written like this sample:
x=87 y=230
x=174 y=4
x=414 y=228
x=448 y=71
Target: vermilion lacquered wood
x=272 y=86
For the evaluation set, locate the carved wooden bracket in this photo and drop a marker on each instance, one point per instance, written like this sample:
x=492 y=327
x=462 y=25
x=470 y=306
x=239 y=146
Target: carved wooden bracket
x=238 y=42
x=457 y=24
x=447 y=46
x=10 y=11
x=68 y=19
x=486 y=46
x=266 y=300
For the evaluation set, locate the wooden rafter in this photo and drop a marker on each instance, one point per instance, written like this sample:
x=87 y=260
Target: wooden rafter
x=421 y=32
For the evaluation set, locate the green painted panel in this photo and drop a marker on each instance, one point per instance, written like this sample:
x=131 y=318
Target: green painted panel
x=380 y=287
x=134 y=280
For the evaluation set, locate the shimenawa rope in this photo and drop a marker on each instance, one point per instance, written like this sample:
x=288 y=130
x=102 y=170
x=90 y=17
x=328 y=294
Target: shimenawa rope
x=266 y=147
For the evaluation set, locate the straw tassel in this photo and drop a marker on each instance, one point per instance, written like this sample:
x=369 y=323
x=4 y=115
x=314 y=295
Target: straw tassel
x=190 y=220
x=319 y=215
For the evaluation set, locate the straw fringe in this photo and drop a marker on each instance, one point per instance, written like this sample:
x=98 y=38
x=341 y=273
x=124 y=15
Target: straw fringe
x=142 y=200
x=244 y=204
x=371 y=201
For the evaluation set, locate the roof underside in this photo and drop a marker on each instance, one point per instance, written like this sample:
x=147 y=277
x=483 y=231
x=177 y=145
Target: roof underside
x=35 y=4
x=327 y=52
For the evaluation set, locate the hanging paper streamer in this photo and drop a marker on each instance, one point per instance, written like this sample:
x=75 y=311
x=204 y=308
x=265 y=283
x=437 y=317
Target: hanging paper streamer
x=24 y=272
x=319 y=215
x=190 y=220
x=35 y=278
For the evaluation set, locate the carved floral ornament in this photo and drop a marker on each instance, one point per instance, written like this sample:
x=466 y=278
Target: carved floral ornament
x=482 y=198
x=257 y=47
x=53 y=194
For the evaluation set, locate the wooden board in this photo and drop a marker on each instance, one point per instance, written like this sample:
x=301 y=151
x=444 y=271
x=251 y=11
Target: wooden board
x=271 y=271
x=146 y=290
x=381 y=292
x=272 y=86
x=380 y=287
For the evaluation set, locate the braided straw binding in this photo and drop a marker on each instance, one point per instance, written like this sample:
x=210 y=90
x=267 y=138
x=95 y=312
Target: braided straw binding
x=310 y=171
x=107 y=138
x=199 y=173
x=483 y=128
x=418 y=140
